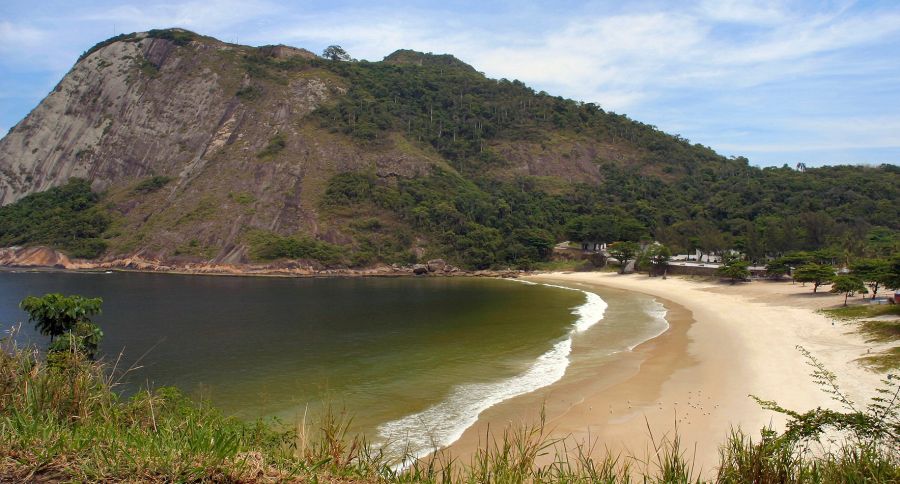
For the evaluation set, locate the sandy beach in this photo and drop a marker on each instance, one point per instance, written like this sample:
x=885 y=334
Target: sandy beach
x=725 y=342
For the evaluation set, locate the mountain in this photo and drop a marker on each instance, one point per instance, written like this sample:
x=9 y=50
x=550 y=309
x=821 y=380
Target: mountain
x=198 y=150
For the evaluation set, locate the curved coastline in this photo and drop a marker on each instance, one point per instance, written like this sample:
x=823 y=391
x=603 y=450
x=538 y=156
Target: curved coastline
x=725 y=343
x=444 y=424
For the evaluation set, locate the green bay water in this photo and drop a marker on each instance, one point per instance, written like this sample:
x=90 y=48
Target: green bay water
x=409 y=358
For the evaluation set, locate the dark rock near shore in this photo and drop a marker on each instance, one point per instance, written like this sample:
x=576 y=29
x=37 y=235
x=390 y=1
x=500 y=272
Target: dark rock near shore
x=436 y=265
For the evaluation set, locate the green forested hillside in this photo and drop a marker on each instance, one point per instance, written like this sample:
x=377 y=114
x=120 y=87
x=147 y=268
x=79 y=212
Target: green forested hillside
x=484 y=223
x=685 y=195
x=422 y=156
x=65 y=217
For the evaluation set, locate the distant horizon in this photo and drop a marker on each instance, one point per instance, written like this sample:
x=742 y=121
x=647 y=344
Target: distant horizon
x=775 y=83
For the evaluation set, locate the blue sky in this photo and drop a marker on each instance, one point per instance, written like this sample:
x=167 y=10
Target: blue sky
x=779 y=82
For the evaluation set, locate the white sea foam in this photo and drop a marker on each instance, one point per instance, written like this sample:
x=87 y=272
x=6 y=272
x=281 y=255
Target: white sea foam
x=442 y=424
x=658 y=312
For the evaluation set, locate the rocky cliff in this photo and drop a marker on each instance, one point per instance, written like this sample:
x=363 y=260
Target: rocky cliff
x=205 y=152
x=238 y=150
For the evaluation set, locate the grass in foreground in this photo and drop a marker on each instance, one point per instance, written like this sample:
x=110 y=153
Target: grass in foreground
x=65 y=422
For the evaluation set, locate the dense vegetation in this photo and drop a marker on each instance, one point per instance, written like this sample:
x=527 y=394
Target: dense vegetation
x=477 y=209
x=483 y=223
x=441 y=101
x=267 y=246
x=473 y=227
x=62 y=420
x=684 y=195
x=65 y=217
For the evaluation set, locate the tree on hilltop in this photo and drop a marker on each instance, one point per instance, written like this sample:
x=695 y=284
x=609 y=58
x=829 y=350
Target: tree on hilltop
x=336 y=53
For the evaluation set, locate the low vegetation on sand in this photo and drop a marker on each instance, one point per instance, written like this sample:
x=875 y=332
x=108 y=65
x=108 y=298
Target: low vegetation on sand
x=61 y=419
x=880 y=324
x=864 y=311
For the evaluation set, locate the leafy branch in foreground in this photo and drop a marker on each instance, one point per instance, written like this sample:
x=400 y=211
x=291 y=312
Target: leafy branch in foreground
x=877 y=425
x=67 y=320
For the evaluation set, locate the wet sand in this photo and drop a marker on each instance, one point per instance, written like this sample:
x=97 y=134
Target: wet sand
x=724 y=343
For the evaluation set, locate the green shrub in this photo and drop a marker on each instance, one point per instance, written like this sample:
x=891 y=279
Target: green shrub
x=176 y=36
x=152 y=184
x=243 y=198
x=104 y=43
x=267 y=246
x=368 y=224
x=249 y=93
x=67 y=218
x=148 y=68
x=275 y=145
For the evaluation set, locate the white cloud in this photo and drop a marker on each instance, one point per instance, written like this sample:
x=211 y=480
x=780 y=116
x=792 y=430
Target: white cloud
x=800 y=39
x=796 y=135
x=32 y=48
x=204 y=16
x=743 y=11
x=17 y=35
x=647 y=59
x=616 y=60
x=17 y=40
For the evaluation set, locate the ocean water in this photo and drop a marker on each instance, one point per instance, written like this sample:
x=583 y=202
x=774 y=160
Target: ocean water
x=414 y=361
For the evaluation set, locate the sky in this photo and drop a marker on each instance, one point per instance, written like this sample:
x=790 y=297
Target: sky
x=816 y=82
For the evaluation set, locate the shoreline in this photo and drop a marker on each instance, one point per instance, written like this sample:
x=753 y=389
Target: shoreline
x=429 y=427
x=331 y=274
x=591 y=387
x=724 y=343
x=44 y=259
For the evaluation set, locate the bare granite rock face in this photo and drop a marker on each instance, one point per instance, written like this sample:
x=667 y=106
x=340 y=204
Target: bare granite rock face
x=286 y=52
x=197 y=113
x=231 y=137
x=34 y=257
x=436 y=265
x=114 y=117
